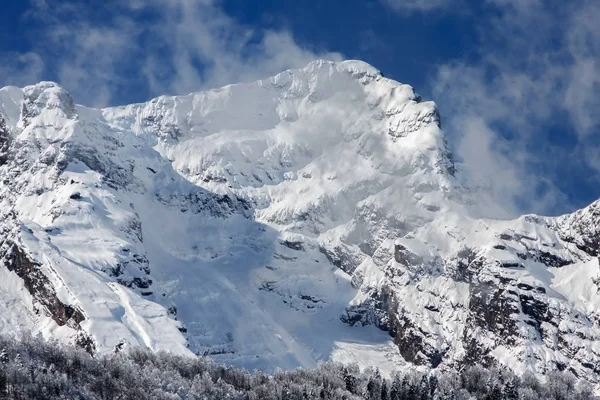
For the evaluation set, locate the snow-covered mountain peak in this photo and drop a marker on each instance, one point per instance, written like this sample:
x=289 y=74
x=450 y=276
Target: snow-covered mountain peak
x=45 y=88
x=350 y=102
x=48 y=97
x=359 y=70
x=269 y=223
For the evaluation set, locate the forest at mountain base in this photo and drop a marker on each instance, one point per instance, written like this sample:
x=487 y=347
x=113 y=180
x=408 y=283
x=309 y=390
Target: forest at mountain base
x=33 y=368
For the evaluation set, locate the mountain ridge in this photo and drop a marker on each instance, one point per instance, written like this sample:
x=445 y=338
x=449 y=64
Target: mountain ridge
x=275 y=224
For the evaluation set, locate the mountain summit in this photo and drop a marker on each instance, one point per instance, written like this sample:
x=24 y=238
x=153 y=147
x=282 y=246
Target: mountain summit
x=313 y=215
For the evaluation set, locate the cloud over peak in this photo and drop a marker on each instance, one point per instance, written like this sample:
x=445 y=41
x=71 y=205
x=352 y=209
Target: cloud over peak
x=153 y=46
x=534 y=70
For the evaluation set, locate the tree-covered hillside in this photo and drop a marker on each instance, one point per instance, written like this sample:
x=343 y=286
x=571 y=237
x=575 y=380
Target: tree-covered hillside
x=35 y=369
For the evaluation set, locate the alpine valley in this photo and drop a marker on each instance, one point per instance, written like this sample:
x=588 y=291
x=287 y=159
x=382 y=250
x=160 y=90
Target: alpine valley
x=315 y=215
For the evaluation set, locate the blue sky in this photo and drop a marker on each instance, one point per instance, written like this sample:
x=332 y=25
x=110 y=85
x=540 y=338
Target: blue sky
x=517 y=81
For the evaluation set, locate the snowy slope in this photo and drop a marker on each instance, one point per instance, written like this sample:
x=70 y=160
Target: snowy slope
x=313 y=215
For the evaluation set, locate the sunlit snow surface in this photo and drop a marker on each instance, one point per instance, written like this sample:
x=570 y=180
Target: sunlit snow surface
x=234 y=202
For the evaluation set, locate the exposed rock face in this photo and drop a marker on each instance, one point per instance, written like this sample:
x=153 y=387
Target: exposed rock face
x=41 y=288
x=4 y=141
x=263 y=223
x=37 y=283
x=498 y=303
x=581 y=228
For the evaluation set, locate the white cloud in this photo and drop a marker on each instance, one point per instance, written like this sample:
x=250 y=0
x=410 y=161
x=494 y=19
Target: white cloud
x=410 y=6
x=161 y=46
x=582 y=99
x=536 y=66
x=20 y=69
x=228 y=52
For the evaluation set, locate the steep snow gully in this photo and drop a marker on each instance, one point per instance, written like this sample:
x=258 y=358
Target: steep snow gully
x=313 y=215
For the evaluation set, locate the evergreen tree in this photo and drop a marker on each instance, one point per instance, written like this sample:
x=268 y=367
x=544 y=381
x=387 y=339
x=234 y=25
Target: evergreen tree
x=405 y=389
x=371 y=389
x=510 y=391
x=396 y=389
x=425 y=388
x=413 y=391
x=495 y=393
x=384 y=391
x=349 y=379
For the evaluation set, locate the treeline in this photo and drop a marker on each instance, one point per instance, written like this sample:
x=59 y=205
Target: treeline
x=35 y=369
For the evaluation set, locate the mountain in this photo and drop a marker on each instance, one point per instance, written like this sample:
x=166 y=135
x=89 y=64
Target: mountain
x=314 y=215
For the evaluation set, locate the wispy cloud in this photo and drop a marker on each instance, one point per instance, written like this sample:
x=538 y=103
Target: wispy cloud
x=208 y=48
x=410 y=6
x=537 y=67
x=156 y=46
x=20 y=69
